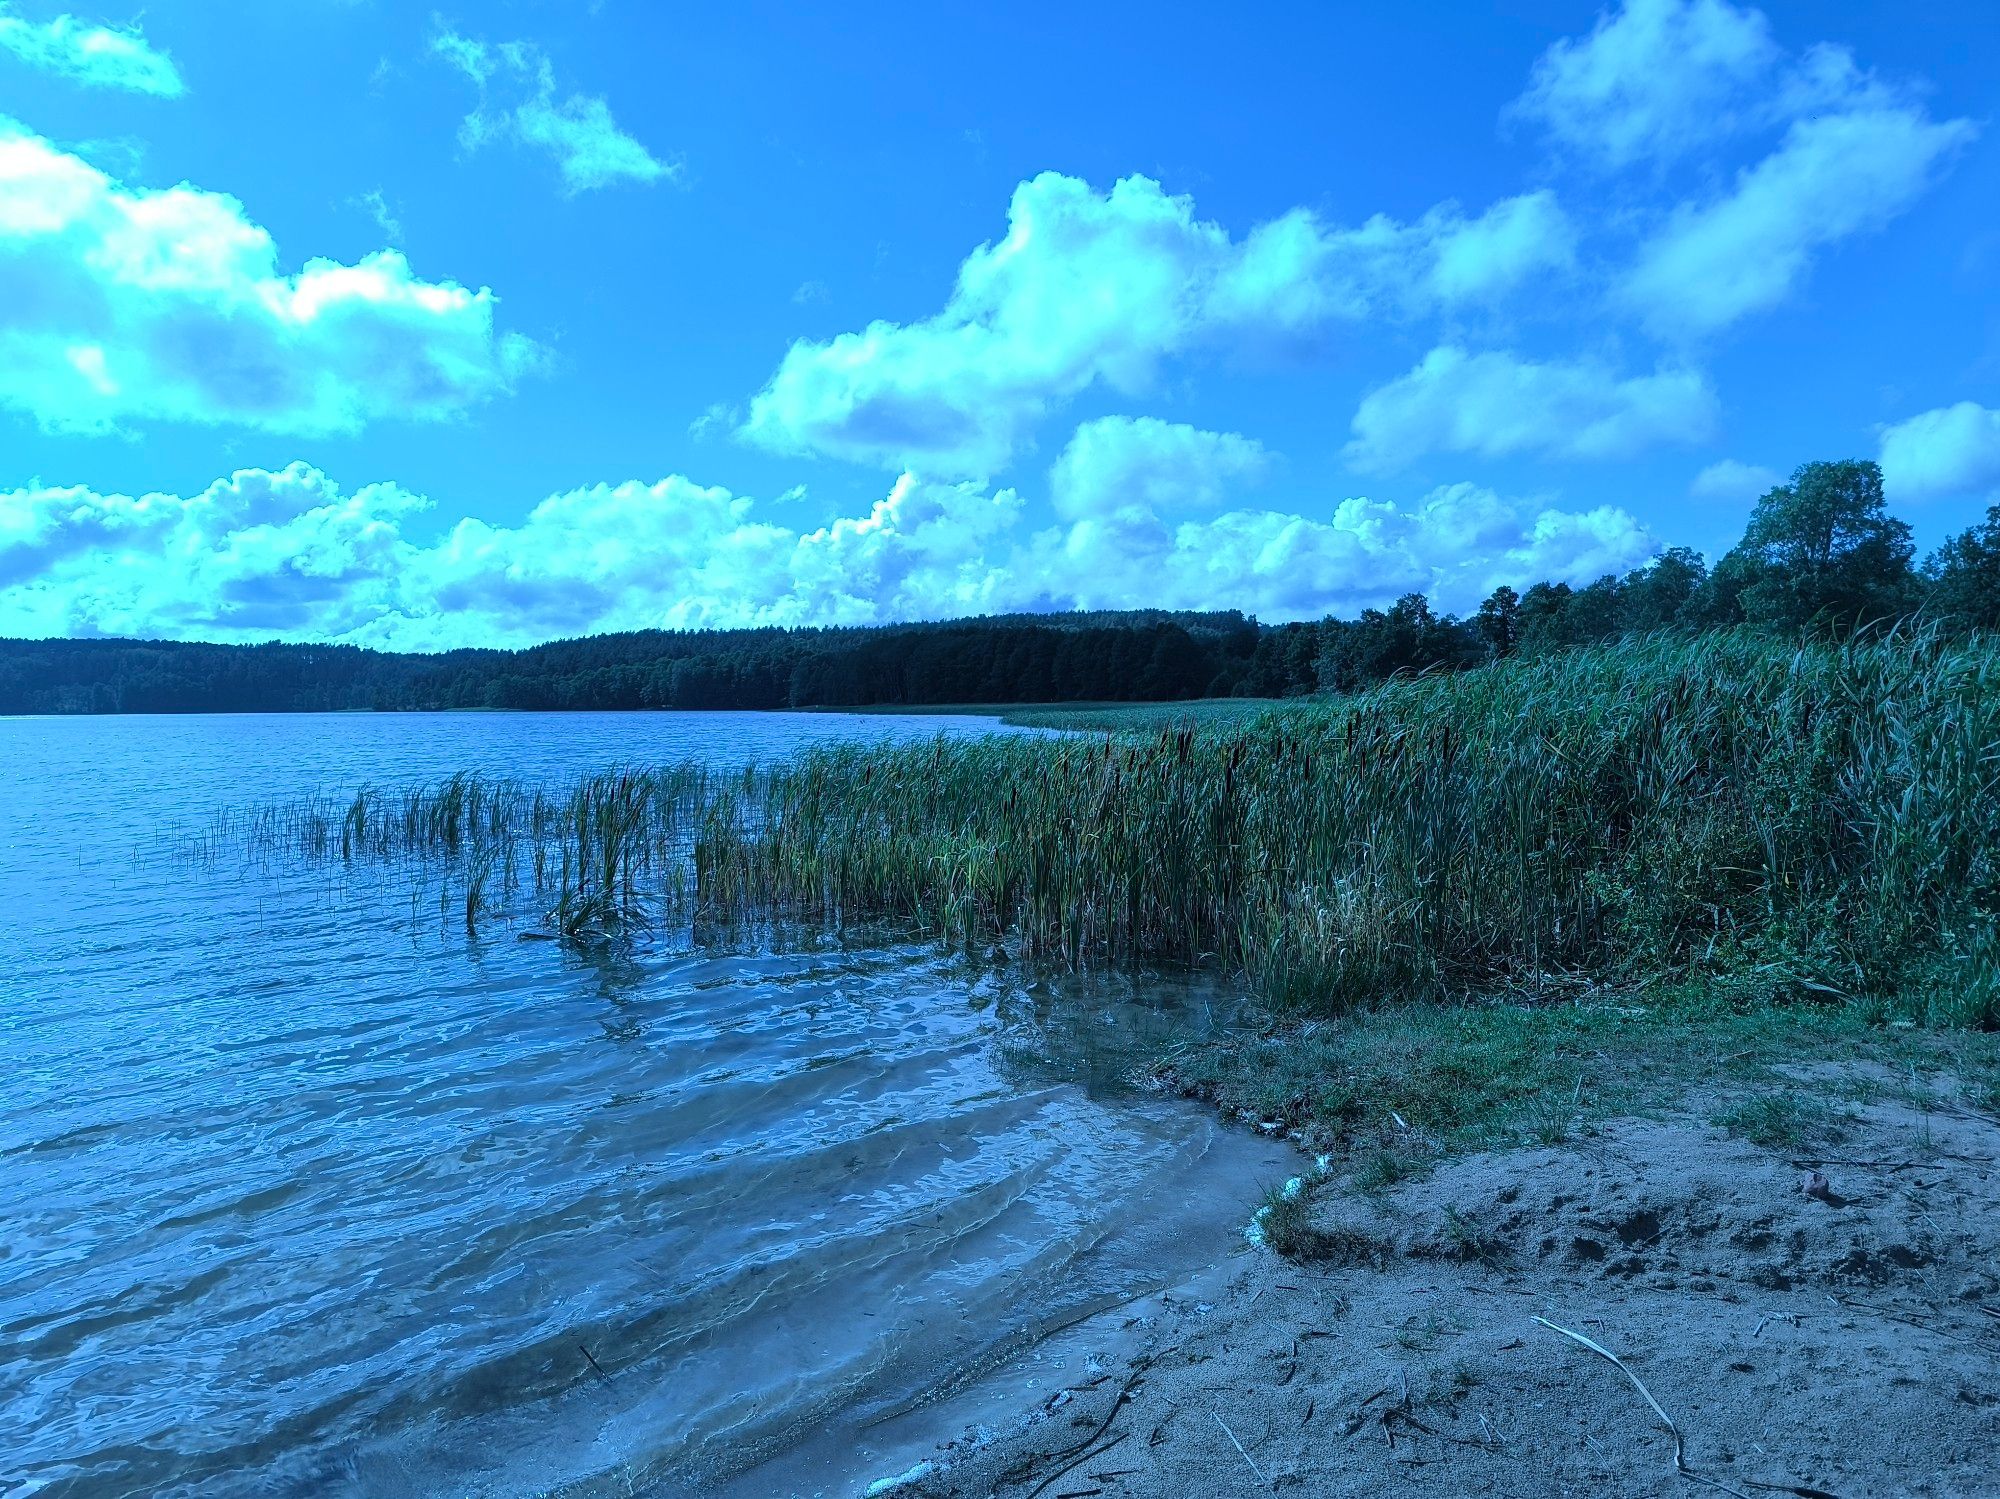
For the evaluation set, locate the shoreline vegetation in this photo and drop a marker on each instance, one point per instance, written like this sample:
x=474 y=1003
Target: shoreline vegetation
x=1467 y=902
x=1814 y=821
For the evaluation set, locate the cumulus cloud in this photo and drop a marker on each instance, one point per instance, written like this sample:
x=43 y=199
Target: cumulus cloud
x=128 y=304
x=1661 y=80
x=1952 y=451
x=1509 y=245
x=1833 y=176
x=116 y=57
x=1122 y=486
x=1455 y=545
x=1142 y=463
x=290 y=554
x=577 y=132
x=1653 y=81
x=1731 y=479
x=1496 y=403
x=254 y=556
x=1100 y=289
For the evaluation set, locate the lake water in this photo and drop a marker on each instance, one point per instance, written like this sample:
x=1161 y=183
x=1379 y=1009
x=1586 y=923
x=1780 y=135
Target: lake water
x=304 y=1191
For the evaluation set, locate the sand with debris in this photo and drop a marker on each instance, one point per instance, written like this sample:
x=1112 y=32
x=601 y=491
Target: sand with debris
x=1840 y=1340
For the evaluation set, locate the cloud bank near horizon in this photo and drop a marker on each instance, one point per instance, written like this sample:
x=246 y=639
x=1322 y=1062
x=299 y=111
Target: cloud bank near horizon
x=1149 y=516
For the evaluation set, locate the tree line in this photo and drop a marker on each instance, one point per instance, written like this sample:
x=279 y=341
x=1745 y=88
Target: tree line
x=1821 y=553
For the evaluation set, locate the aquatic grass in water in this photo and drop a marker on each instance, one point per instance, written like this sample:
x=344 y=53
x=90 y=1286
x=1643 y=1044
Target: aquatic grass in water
x=1815 y=820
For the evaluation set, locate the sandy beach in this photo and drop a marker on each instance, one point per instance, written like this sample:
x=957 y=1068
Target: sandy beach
x=1824 y=1323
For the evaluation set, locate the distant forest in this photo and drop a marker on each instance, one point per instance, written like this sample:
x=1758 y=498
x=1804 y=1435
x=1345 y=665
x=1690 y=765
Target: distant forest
x=1821 y=554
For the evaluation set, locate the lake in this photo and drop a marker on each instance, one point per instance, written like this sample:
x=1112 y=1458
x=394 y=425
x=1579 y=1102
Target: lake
x=306 y=1190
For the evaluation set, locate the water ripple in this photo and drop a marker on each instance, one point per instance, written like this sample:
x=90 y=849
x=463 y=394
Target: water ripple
x=306 y=1193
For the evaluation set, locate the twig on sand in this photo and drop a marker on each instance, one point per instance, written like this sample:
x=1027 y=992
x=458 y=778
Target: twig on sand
x=1960 y=1111
x=1076 y=1463
x=1124 y=1394
x=1239 y=1448
x=1680 y=1457
x=1895 y=1316
x=1086 y=1449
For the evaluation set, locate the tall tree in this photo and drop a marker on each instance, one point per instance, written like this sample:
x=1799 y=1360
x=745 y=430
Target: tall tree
x=1499 y=621
x=1823 y=551
x=1659 y=594
x=1964 y=575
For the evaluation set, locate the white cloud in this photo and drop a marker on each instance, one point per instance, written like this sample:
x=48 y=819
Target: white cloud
x=1142 y=463
x=253 y=556
x=1952 y=451
x=1455 y=545
x=1661 y=80
x=1496 y=403
x=1515 y=241
x=98 y=56
x=1123 y=485
x=1731 y=479
x=1833 y=176
x=290 y=554
x=578 y=132
x=128 y=304
x=376 y=206
x=1653 y=81
x=262 y=554
x=1091 y=289
x=717 y=416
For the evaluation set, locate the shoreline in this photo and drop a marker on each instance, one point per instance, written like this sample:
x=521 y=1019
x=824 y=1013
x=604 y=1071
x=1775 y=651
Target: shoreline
x=1411 y=1359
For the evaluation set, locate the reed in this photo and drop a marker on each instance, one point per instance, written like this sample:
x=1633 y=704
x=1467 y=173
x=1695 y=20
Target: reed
x=1807 y=820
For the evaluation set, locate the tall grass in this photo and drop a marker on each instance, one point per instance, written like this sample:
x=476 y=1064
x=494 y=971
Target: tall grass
x=1804 y=820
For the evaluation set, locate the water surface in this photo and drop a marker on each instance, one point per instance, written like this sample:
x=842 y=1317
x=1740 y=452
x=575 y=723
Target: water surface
x=305 y=1191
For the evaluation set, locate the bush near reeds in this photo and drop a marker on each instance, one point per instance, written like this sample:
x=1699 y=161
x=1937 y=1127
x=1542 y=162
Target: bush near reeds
x=1811 y=821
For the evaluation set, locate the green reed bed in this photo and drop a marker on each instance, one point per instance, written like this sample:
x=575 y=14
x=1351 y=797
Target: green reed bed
x=1821 y=820
x=1821 y=816
x=602 y=857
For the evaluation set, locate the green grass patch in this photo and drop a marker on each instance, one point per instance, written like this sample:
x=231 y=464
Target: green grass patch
x=1087 y=717
x=1289 y=1227
x=1141 y=718
x=1784 y=1119
x=1390 y=1091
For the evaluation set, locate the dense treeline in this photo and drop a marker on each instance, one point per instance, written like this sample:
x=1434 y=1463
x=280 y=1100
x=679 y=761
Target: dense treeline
x=1821 y=554
x=1134 y=656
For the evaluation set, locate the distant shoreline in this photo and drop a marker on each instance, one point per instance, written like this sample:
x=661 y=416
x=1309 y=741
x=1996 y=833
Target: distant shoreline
x=1110 y=710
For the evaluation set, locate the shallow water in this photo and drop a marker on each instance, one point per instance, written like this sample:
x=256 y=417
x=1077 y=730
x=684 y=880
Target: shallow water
x=303 y=1191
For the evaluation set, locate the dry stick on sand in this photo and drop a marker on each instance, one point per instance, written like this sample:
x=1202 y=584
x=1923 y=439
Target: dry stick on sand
x=1239 y=1448
x=1680 y=1460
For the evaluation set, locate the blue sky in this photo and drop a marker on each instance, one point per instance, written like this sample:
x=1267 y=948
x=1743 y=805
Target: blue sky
x=350 y=320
